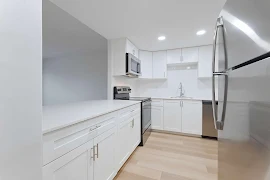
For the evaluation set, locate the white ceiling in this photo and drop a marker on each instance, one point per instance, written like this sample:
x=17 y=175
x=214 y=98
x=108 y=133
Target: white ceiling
x=142 y=21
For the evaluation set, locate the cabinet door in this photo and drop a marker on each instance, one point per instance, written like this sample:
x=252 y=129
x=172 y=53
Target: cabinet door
x=192 y=117
x=135 y=132
x=173 y=56
x=132 y=49
x=159 y=64
x=190 y=55
x=172 y=115
x=146 y=58
x=77 y=164
x=104 y=164
x=205 y=61
x=157 y=117
x=123 y=142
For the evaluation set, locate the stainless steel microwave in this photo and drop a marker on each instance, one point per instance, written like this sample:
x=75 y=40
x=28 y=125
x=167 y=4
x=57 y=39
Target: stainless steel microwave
x=133 y=65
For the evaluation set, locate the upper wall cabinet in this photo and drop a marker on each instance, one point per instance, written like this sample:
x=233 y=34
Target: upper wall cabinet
x=205 y=61
x=160 y=65
x=146 y=58
x=183 y=56
x=174 y=56
x=190 y=55
x=132 y=49
x=117 y=54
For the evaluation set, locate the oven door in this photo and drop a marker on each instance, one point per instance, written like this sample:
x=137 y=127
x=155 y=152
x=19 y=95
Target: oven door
x=133 y=65
x=146 y=116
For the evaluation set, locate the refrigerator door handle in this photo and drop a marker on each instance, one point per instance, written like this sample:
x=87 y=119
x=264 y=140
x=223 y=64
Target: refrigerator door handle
x=219 y=23
x=219 y=124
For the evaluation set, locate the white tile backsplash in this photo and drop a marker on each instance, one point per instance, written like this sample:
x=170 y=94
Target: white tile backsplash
x=194 y=87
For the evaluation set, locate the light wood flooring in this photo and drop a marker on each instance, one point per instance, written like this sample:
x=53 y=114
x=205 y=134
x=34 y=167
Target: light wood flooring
x=172 y=157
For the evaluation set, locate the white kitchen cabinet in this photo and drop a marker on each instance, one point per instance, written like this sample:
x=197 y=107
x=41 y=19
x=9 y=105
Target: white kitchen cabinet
x=77 y=164
x=157 y=117
x=190 y=55
x=128 y=136
x=172 y=115
x=174 y=56
x=146 y=58
x=160 y=65
x=205 y=61
x=131 y=48
x=117 y=54
x=192 y=117
x=135 y=132
x=123 y=147
x=104 y=164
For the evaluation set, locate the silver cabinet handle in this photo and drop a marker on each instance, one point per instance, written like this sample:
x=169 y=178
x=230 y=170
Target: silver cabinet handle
x=181 y=58
x=98 y=126
x=93 y=155
x=97 y=151
x=219 y=125
x=132 y=123
x=164 y=74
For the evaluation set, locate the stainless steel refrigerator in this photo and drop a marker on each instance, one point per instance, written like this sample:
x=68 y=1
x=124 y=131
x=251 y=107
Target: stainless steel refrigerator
x=241 y=70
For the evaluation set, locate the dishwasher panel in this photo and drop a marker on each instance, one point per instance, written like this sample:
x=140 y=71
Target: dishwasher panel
x=208 y=128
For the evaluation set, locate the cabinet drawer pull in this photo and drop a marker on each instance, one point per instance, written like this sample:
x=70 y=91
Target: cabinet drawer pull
x=97 y=151
x=98 y=126
x=93 y=154
x=92 y=129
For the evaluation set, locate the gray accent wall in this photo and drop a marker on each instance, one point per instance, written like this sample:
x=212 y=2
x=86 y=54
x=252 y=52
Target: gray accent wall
x=75 y=60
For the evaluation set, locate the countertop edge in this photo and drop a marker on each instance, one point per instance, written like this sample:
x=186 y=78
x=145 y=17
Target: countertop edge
x=168 y=98
x=46 y=131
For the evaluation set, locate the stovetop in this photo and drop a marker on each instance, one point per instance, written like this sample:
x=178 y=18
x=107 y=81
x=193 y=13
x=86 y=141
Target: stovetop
x=143 y=99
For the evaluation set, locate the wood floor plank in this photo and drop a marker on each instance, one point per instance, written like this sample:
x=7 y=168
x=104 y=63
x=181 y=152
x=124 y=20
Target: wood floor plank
x=168 y=176
x=172 y=157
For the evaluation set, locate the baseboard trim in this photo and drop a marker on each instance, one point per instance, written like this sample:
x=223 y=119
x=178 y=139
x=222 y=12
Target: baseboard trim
x=176 y=133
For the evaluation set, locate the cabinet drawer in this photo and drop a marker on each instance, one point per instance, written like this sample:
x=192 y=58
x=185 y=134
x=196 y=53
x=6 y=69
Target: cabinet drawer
x=58 y=143
x=157 y=102
x=129 y=111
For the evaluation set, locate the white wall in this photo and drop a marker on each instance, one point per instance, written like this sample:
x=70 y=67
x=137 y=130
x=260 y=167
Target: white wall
x=74 y=78
x=20 y=97
x=74 y=59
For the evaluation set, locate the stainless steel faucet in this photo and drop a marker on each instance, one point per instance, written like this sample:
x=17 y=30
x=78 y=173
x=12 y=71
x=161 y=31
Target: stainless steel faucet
x=182 y=91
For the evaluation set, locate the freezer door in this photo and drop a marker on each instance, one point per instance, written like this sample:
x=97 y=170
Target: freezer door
x=247 y=29
x=244 y=142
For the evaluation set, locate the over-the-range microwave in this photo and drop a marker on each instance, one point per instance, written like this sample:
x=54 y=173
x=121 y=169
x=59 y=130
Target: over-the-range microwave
x=133 y=66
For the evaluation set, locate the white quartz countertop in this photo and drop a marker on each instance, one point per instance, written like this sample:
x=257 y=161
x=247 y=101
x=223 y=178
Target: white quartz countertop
x=59 y=116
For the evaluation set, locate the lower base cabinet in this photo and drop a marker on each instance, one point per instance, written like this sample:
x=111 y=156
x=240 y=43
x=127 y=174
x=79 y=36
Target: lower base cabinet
x=92 y=160
x=129 y=136
x=104 y=162
x=192 y=117
x=135 y=132
x=77 y=164
x=172 y=115
x=157 y=117
x=182 y=116
x=102 y=155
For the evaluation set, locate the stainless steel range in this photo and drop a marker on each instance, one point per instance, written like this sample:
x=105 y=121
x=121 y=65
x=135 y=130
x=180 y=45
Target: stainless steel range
x=123 y=93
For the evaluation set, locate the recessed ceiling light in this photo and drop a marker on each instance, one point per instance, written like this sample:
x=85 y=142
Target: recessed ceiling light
x=188 y=67
x=161 y=38
x=201 y=32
